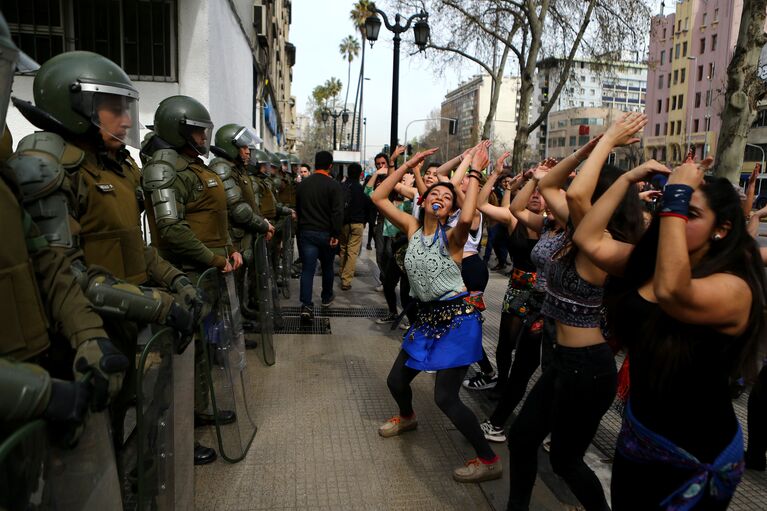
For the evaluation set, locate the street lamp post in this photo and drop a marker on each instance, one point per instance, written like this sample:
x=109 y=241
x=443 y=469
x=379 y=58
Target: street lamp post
x=691 y=101
x=365 y=139
x=335 y=114
x=421 y=33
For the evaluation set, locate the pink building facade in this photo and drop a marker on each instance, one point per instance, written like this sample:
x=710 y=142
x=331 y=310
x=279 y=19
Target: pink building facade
x=686 y=78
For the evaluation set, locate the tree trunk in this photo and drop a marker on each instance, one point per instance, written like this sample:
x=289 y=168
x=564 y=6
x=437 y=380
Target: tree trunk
x=357 y=99
x=744 y=90
x=487 y=129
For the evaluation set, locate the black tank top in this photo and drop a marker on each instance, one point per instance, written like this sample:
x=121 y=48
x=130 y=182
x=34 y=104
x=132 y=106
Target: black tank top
x=691 y=406
x=520 y=247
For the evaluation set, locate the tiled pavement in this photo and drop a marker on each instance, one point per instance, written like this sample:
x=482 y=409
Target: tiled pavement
x=319 y=407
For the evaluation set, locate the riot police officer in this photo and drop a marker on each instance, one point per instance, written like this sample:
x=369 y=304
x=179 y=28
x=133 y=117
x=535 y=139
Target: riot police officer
x=188 y=217
x=83 y=189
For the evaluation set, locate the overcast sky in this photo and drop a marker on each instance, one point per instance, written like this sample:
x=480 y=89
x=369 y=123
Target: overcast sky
x=317 y=30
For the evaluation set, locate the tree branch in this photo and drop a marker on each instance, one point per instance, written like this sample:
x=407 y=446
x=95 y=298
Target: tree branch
x=462 y=54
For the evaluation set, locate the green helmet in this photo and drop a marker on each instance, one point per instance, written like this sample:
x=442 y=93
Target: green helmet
x=181 y=120
x=282 y=157
x=231 y=137
x=259 y=156
x=294 y=160
x=274 y=160
x=81 y=89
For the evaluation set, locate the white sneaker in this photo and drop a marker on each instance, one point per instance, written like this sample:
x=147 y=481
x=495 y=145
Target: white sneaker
x=379 y=288
x=480 y=381
x=492 y=433
x=404 y=324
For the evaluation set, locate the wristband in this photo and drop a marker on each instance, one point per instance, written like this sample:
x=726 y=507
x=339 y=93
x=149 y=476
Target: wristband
x=475 y=177
x=676 y=201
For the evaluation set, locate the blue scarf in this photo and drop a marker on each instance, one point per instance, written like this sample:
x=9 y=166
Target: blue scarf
x=720 y=478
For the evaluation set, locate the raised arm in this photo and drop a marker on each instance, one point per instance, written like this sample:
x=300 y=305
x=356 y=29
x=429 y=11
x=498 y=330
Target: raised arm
x=755 y=220
x=405 y=222
x=721 y=300
x=555 y=180
x=620 y=133
x=751 y=189
x=466 y=162
x=592 y=237
x=458 y=235
x=498 y=213
x=518 y=206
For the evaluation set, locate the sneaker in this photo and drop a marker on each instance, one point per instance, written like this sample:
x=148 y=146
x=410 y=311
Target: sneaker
x=307 y=313
x=387 y=319
x=492 y=433
x=397 y=425
x=404 y=324
x=480 y=381
x=329 y=301
x=475 y=471
x=430 y=372
x=346 y=287
x=379 y=288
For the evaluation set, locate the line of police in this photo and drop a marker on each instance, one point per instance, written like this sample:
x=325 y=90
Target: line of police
x=78 y=283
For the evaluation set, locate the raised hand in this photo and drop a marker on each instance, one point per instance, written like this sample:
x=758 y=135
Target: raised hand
x=398 y=151
x=690 y=174
x=480 y=159
x=584 y=151
x=650 y=195
x=498 y=168
x=646 y=170
x=420 y=156
x=623 y=131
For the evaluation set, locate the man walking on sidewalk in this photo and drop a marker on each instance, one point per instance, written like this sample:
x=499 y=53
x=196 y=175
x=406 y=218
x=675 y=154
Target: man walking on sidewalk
x=320 y=211
x=354 y=223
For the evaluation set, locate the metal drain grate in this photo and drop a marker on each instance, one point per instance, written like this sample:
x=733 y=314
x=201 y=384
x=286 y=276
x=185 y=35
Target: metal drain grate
x=340 y=312
x=294 y=325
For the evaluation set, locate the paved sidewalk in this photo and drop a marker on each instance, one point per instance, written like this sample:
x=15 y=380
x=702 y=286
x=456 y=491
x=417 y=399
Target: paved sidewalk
x=318 y=410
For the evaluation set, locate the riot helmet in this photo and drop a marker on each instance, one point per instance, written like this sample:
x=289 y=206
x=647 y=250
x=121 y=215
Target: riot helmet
x=274 y=160
x=78 y=90
x=230 y=138
x=259 y=157
x=181 y=121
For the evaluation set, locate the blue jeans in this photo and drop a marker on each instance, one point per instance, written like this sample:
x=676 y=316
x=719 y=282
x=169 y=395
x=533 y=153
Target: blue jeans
x=316 y=245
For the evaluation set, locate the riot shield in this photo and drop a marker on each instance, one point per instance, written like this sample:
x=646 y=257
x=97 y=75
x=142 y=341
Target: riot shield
x=85 y=478
x=264 y=287
x=287 y=257
x=154 y=422
x=23 y=462
x=224 y=342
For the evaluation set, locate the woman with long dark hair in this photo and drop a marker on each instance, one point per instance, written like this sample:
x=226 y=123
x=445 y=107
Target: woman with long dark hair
x=446 y=335
x=690 y=309
x=577 y=388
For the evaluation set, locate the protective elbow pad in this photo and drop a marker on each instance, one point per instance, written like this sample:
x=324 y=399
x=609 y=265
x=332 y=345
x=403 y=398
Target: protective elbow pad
x=39 y=167
x=157 y=177
x=242 y=213
x=224 y=170
x=26 y=391
x=111 y=297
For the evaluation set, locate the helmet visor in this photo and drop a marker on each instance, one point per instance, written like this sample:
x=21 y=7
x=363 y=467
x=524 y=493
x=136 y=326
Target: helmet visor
x=246 y=137
x=9 y=57
x=198 y=134
x=115 y=112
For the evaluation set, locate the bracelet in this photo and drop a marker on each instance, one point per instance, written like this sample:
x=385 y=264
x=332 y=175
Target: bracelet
x=475 y=177
x=676 y=201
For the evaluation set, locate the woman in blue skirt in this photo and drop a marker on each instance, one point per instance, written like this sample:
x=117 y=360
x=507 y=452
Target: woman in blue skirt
x=446 y=335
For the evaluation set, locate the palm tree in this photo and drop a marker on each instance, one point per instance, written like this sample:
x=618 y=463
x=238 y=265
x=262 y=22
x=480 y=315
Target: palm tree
x=358 y=15
x=349 y=49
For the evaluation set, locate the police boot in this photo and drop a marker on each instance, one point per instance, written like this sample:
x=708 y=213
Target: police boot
x=203 y=455
x=208 y=419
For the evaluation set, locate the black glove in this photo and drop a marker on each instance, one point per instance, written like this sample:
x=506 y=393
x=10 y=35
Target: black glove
x=186 y=291
x=106 y=365
x=68 y=402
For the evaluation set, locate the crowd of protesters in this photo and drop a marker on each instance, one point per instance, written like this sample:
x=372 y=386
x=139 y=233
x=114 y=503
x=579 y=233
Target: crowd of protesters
x=659 y=265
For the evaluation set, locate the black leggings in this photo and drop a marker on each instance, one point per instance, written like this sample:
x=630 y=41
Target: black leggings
x=446 y=388
x=508 y=334
x=475 y=277
x=392 y=275
x=757 y=418
x=568 y=401
x=526 y=360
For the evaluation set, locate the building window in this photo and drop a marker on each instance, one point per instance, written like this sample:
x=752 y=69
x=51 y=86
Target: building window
x=700 y=73
x=707 y=124
x=667 y=100
x=662 y=56
x=583 y=139
x=713 y=42
x=705 y=15
x=572 y=140
x=710 y=71
x=686 y=23
x=664 y=33
x=702 y=45
x=708 y=98
x=697 y=99
x=695 y=125
x=676 y=76
x=679 y=26
x=660 y=106
x=657 y=129
x=665 y=129
x=670 y=55
x=684 y=73
x=680 y=103
x=673 y=103
x=660 y=81
x=684 y=49
x=140 y=35
x=671 y=128
x=679 y=127
x=676 y=49
x=716 y=14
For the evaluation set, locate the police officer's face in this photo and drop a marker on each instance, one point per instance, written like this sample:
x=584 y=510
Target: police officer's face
x=245 y=154
x=199 y=137
x=114 y=121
